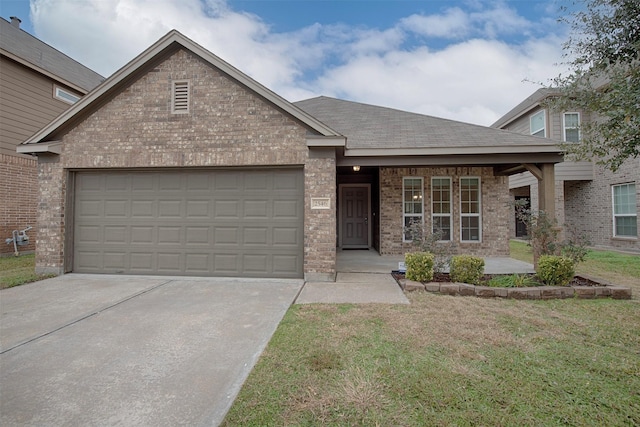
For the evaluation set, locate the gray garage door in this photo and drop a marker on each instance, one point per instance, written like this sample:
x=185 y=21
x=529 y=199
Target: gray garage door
x=196 y=223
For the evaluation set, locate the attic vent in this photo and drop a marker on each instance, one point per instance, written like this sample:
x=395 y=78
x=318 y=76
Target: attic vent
x=180 y=97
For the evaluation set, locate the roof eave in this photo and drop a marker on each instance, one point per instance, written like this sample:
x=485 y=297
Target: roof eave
x=49 y=147
x=158 y=48
x=446 y=151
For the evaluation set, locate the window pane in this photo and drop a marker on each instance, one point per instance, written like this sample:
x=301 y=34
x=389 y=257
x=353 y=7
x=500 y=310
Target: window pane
x=624 y=199
x=626 y=226
x=442 y=225
x=571 y=120
x=537 y=124
x=470 y=228
x=572 y=135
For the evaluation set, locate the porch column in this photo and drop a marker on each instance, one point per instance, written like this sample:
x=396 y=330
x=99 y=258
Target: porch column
x=545 y=174
x=547 y=190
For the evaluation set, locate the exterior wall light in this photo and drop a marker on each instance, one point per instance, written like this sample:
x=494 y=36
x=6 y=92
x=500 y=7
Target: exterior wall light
x=356 y=168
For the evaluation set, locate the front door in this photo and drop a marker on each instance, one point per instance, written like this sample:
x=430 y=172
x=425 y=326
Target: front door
x=354 y=215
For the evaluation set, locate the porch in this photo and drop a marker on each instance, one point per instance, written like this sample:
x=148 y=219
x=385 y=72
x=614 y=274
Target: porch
x=370 y=261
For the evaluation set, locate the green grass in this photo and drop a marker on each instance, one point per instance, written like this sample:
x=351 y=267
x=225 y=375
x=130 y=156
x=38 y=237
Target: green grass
x=15 y=271
x=449 y=361
x=618 y=268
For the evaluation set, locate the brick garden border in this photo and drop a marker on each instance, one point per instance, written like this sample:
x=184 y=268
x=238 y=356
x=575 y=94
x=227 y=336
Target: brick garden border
x=605 y=290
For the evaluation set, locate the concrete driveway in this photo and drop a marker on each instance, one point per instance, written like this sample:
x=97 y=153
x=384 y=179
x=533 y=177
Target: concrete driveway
x=132 y=350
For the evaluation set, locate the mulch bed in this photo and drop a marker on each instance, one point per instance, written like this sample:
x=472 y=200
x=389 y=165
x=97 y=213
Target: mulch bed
x=444 y=278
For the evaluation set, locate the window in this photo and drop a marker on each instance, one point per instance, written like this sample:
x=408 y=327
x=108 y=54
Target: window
x=412 y=205
x=470 y=222
x=65 y=95
x=537 y=124
x=441 y=207
x=180 y=97
x=571 y=125
x=625 y=215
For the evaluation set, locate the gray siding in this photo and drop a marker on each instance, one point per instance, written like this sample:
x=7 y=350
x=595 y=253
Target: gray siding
x=27 y=104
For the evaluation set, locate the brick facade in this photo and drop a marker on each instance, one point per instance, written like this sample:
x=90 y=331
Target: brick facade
x=495 y=210
x=18 y=200
x=589 y=206
x=227 y=125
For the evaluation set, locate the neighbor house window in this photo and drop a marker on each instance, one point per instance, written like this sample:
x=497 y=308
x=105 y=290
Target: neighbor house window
x=441 y=207
x=65 y=95
x=470 y=221
x=180 y=97
x=625 y=214
x=571 y=125
x=537 y=124
x=412 y=202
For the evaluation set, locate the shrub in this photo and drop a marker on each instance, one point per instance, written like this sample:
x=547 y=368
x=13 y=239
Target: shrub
x=419 y=266
x=466 y=269
x=433 y=241
x=555 y=270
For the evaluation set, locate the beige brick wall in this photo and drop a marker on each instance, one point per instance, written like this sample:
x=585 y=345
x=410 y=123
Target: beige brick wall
x=18 y=200
x=495 y=209
x=588 y=205
x=320 y=224
x=227 y=125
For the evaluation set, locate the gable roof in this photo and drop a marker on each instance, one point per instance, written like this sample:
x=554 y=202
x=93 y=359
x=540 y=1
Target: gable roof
x=31 y=52
x=171 y=42
x=529 y=103
x=372 y=130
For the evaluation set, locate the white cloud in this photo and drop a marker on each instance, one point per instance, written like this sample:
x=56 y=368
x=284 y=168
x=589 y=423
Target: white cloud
x=453 y=24
x=475 y=80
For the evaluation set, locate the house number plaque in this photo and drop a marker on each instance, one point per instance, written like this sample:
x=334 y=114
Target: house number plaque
x=320 y=203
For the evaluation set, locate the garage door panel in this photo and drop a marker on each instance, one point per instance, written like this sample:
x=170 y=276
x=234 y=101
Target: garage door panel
x=142 y=209
x=205 y=223
x=142 y=235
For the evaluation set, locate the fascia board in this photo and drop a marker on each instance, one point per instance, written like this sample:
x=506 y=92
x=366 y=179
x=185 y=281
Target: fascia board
x=444 y=151
x=326 y=141
x=51 y=147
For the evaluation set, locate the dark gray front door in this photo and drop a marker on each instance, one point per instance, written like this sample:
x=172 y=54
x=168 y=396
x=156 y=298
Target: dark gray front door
x=190 y=222
x=355 y=216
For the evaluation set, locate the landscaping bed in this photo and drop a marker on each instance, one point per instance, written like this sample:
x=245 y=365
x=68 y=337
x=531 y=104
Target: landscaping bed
x=581 y=286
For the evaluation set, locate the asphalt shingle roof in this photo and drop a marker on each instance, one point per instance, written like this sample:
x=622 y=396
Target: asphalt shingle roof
x=34 y=51
x=370 y=127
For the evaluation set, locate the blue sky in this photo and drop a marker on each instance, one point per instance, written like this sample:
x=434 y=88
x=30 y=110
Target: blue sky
x=468 y=60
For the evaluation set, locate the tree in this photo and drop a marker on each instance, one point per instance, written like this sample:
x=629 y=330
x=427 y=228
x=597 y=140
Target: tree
x=604 y=79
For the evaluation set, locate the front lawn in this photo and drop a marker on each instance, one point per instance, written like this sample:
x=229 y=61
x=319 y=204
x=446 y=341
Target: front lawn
x=19 y=270
x=618 y=268
x=449 y=361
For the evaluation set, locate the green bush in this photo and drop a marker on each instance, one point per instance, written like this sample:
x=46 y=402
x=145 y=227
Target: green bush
x=419 y=266
x=555 y=270
x=466 y=269
x=512 y=281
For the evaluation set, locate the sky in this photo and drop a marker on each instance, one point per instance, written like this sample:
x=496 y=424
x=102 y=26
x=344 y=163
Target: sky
x=466 y=60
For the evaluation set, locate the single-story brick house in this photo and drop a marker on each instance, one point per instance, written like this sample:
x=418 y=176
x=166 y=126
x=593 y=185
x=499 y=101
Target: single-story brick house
x=180 y=164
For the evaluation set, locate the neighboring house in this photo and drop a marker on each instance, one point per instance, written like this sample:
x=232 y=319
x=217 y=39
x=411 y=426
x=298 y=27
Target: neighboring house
x=37 y=83
x=591 y=201
x=180 y=164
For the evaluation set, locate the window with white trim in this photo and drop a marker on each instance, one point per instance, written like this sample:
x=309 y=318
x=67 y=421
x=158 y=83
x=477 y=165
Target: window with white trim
x=441 y=207
x=537 y=124
x=412 y=204
x=571 y=126
x=65 y=95
x=470 y=220
x=625 y=211
x=180 y=97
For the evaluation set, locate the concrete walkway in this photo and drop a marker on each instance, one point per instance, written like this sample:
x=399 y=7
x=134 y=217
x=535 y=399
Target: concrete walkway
x=365 y=277
x=132 y=350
